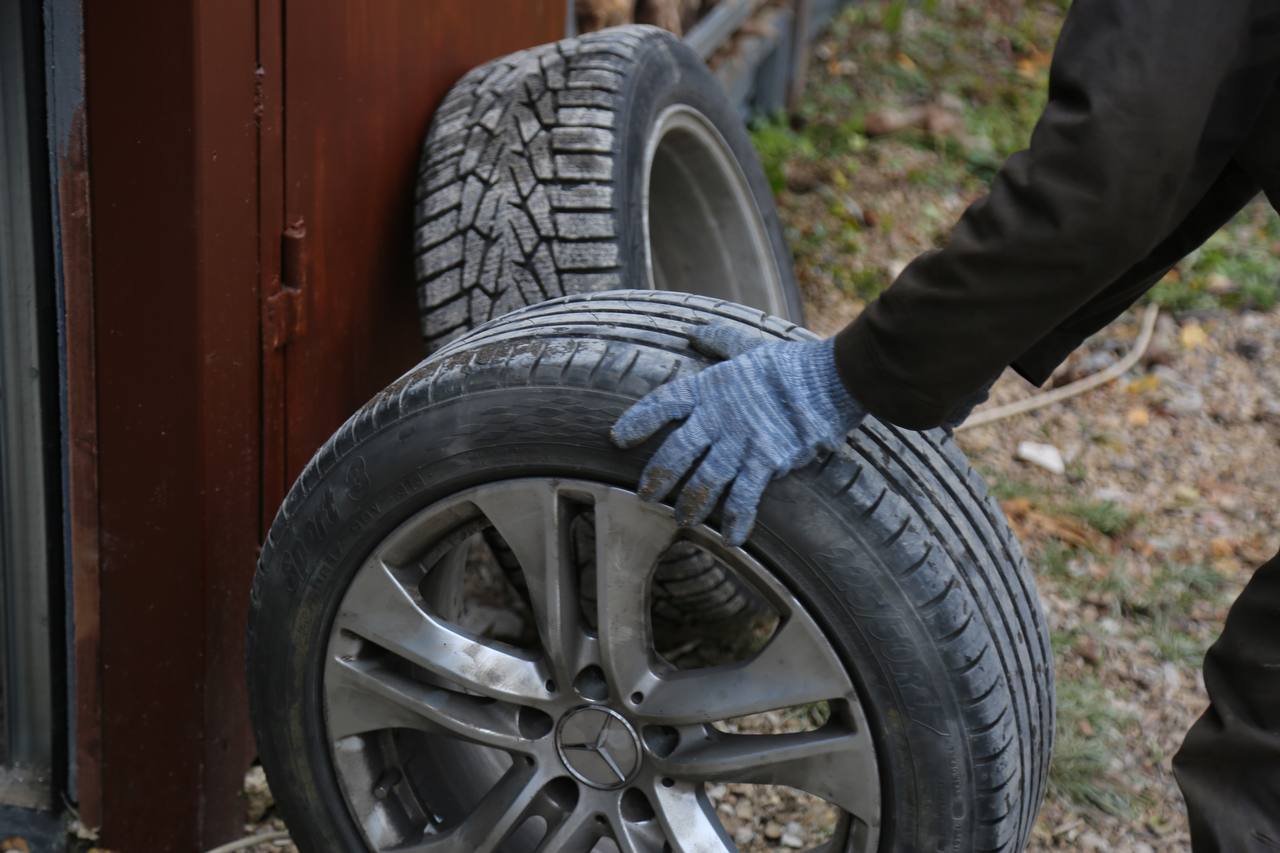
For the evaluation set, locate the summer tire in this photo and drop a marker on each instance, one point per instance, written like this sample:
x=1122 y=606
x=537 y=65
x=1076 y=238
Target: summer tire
x=901 y=593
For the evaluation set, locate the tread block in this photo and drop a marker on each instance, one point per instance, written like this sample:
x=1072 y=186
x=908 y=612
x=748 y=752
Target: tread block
x=582 y=197
x=586 y=256
x=583 y=167
x=442 y=257
x=585 y=225
x=585 y=117
x=595 y=140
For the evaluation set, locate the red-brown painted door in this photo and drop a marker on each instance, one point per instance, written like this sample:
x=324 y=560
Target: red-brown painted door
x=361 y=81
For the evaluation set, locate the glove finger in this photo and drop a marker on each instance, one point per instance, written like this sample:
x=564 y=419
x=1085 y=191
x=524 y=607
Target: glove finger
x=724 y=340
x=743 y=502
x=673 y=459
x=671 y=402
x=700 y=495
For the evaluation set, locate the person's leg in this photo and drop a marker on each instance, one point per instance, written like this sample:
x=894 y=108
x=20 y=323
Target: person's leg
x=1229 y=764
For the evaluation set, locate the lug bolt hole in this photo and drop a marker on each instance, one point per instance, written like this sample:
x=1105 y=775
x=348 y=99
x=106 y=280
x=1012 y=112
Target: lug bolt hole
x=533 y=723
x=661 y=740
x=551 y=686
x=563 y=792
x=668 y=782
x=637 y=698
x=591 y=684
x=635 y=806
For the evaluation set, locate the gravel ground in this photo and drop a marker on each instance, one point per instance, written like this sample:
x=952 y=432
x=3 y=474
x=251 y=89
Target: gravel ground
x=1170 y=498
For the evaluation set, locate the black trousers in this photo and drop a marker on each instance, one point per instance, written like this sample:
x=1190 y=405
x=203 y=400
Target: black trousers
x=1229 y=764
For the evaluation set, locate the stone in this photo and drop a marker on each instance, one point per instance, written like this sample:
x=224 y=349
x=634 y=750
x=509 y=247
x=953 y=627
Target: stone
x=1045 y=456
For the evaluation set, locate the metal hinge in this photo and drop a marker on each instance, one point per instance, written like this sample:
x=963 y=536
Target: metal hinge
x=286 y=315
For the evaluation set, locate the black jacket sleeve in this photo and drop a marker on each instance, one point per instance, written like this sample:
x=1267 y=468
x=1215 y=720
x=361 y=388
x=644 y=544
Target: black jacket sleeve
x=1149 y=102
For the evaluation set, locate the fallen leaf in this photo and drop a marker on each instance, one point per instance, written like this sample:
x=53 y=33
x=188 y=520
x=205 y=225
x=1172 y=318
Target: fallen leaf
x=1031 y=65
x=1138 y=416
x=1220 y=284
x=1143 y=384
x=1088 y=649
x=1221 y=546
x=15 y=844
x=890 y=120
x=905 y=62
x=1029 y=523
x=1192 y=336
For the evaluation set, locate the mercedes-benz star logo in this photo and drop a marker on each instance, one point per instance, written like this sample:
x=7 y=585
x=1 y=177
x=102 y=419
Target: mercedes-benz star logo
x=598 y=746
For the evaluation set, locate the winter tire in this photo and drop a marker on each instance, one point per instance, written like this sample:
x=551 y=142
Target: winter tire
x=388 y=719
x=604 y=161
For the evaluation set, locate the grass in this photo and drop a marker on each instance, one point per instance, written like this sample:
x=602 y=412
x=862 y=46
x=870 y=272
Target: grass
x=1239 y=267
x=1081 y=771
x=1112 y=589
x=1107 y=517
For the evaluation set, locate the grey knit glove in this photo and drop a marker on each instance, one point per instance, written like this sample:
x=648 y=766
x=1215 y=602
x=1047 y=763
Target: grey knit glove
x=765 y=412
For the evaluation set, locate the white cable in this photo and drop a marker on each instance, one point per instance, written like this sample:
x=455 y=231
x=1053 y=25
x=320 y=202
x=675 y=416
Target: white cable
x=1102 y=377
x=244 y=843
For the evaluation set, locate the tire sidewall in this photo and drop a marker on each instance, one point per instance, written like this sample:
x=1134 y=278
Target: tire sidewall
x=667 y=73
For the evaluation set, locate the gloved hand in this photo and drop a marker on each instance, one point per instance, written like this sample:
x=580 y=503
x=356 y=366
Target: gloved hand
x=765 y=412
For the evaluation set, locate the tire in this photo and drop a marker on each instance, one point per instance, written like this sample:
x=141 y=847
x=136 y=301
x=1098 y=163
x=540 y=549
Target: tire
x=890 y=545
x=611 y=160
x=590 y=165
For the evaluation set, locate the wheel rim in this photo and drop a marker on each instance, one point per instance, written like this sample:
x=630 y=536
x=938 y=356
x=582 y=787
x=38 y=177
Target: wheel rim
x=445 y=741
x=704 y=232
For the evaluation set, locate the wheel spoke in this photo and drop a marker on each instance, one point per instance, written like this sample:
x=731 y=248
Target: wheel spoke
x=796 y=667
x=443 y=591
x=499 y=812
x=386 y=610
x=689 y=820
x=365 y=696
x=630 y=537
x=635 y=837
x=832 y=763
x=576 y=833
x=534 y=521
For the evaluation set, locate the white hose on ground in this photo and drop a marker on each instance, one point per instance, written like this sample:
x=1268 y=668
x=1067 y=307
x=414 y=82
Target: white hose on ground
x=250 y=841
x=1057 y=395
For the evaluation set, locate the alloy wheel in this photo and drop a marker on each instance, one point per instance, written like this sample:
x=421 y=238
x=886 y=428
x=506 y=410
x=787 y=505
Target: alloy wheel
x=445 y=740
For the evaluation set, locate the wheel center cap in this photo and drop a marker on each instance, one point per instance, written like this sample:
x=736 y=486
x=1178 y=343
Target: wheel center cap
x=598 y=746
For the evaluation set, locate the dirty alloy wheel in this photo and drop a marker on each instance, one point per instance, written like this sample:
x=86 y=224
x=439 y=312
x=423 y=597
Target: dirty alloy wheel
x=902 y=679
x=605 y=161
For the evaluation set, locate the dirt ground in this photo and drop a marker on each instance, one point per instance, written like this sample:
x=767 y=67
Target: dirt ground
x=1169 y=492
